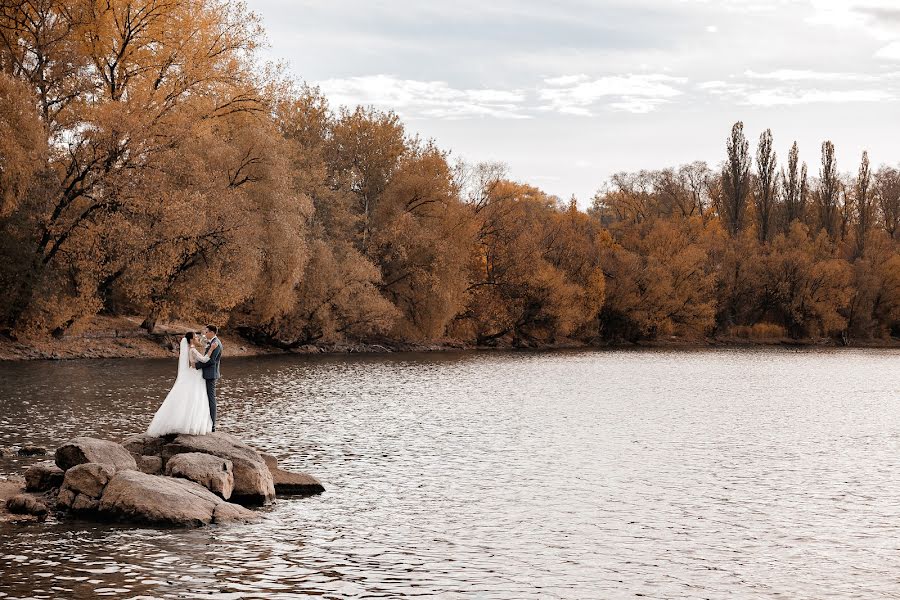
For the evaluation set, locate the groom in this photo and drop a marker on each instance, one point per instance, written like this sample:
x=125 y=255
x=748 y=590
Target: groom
x=211 y=367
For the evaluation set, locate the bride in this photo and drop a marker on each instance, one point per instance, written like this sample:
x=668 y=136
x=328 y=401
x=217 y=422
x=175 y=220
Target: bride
x=186 y=408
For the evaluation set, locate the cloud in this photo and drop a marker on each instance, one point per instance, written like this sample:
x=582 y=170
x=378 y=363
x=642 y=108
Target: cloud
x=637 y=93
x=879 y=18
x=792 y=87
x=720 y=88
x=889 y=52
x=424 y=99
x=780 y=97
x=741 y=6
x=796 y=75
x=567 y=79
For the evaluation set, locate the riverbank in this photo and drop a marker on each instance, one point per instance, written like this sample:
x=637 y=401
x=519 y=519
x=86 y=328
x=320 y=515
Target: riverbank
x=122 y=337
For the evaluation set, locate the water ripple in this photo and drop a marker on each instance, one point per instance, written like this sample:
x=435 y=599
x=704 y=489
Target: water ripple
x=753 y=473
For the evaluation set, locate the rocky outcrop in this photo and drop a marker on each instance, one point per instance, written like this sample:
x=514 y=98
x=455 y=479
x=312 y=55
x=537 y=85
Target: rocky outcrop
x=43 y=476
x=253 y=483
x=184 y=480
x=137 y=497
x=291 y=484
x=212 y=472
x=83 y=487
x=82 y=450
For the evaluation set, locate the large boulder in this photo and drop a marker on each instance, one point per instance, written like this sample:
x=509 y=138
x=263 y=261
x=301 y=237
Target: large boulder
x=253 y=484
x=43 y=476
x=144 y=445
x=83 y=486
x=83 y=450
x=212 y=472
x=137 y=497
x=291 y=484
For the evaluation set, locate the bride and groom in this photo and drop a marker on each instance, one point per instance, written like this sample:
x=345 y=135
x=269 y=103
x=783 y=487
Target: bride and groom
x=190 y=406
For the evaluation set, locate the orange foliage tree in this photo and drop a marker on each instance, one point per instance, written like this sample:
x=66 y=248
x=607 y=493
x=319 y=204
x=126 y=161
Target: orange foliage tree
x=151 y=165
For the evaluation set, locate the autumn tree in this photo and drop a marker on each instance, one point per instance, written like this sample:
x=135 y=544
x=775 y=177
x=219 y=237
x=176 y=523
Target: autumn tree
x=523 y=285
x=886 y=189
x=741 y=295
x=792 y=189
x=658 y=282
x=809 y=287
x=766 y=185
x=697 y=180
x=421 y=239
x=874 y=307
x=828 y=191
x=336 y=296
x=864 y=205
x=124 y=88
x=23 y=143
x=364 y=148
x=152 y=166
x=736 y=179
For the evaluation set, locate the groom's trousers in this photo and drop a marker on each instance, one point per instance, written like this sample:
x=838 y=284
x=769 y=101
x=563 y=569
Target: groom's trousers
x=211 y=394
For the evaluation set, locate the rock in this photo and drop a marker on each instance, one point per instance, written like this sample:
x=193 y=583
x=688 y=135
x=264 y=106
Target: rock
x=212 y=472
x=291 y=484
x=7 y=452
x=82 y=450
x=270 y=461
x=144 y=445
x=300 y=484
x=83 y=486
x=43 y=476
x=253 y=484
x=84 y=504
x=88 y=479
x=137 y=497
x=152 y=465
x=32 y=451
x=226 y=512
x=66 y=498
x=23 y=504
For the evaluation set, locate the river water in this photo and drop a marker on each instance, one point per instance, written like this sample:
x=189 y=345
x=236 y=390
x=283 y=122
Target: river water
x=762 y=473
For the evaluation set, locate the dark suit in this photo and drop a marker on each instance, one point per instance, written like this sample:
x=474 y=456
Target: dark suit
x=211 y=373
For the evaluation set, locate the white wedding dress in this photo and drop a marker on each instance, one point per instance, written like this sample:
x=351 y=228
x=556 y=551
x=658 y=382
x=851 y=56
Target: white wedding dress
x=186 y=408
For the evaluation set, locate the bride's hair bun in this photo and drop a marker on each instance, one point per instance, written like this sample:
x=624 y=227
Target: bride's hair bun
x=189 y=335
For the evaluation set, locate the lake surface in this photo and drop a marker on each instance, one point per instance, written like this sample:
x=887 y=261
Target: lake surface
x=762 y=473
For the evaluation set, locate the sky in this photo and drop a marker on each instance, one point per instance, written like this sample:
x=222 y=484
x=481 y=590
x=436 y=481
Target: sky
x=568 y=92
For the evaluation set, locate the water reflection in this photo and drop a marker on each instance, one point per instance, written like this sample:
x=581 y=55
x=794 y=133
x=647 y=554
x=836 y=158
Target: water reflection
x=578 y=474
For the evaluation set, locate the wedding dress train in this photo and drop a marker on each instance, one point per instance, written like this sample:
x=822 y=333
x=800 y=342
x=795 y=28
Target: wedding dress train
x=186 y=407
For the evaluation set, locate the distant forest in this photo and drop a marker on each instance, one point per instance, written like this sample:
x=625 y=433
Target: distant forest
x=152 y=164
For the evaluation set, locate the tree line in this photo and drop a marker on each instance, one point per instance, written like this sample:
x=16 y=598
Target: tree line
x=152 y=165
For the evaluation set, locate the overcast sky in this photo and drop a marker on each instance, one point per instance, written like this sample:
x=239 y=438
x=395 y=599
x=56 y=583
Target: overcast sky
x=570 y=91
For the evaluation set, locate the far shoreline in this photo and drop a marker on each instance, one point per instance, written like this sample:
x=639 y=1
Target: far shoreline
x=121 y=337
